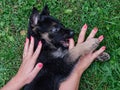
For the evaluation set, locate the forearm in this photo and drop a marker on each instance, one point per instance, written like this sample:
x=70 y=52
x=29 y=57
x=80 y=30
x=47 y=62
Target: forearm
x=13 y=84
x=72 y=82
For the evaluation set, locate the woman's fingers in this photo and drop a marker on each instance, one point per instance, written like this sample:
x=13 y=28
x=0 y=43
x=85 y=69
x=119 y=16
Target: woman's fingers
x=31 y=47
x=82 y=34
x=37 y=52
x=71 y=43
x=101 y=38
x=34 y=72
x=26 y=46
x=93 y=33
x=98 y=52
x=37 y=68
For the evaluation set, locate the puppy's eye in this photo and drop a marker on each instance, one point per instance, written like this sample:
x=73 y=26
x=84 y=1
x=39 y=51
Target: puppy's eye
x=55 y=29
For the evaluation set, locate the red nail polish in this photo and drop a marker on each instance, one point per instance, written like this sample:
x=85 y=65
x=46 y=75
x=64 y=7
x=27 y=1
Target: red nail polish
x=104 y=47
x=39 y=43
x=40 y=65
x=95 y=29
x=26 y=39
x=85 y=26
x=31 y=37
x=101 y=37
x=69 y=39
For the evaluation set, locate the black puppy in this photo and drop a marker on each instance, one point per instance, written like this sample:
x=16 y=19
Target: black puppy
x=58 y=61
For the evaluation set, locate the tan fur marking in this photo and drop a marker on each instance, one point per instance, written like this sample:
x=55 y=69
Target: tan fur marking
x=48 y=40
x=82 y=49
x=34 y=29
x=45 y=36
x=53 y=23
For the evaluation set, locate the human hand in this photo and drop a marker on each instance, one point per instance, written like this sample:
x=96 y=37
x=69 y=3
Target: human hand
x=86 y=60
x=28 y=70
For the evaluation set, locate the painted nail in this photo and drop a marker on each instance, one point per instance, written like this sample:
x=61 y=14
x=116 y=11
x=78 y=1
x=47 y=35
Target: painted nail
x=26 y=39
x=40 y=65
x=39 y=43
x=101 y=37
x=104 y=47
x=95 y=29
x=85 y=26
x=31 y=37
x=69 y=39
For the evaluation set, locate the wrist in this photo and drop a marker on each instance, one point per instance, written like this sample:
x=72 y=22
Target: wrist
x=18 y=81
x=14 y=84
x=78 y=71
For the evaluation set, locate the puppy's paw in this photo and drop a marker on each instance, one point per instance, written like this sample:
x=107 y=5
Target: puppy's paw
x=103 y=57
x=92 y=44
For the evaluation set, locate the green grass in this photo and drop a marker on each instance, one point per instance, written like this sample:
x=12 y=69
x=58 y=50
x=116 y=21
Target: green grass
x=104 y=14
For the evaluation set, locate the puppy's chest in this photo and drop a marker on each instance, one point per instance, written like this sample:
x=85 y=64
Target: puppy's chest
x=55 y=55
x=59 y=53
x=54 y=63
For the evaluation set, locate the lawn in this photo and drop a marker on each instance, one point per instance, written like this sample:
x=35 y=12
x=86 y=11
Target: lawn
x=104 y=14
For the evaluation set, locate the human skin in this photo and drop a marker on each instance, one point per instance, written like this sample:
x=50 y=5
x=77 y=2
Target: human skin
x=27 y=71
x=72 y=82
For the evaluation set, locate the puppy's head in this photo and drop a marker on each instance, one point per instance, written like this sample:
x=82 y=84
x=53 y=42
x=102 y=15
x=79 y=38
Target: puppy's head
x=47 y=28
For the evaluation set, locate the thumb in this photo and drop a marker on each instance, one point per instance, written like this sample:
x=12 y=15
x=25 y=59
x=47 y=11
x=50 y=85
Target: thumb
x=37 y=68
x=71 y=43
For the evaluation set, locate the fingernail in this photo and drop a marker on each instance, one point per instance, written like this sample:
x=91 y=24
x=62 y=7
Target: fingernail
x=95 y=29
x=40 y=65
x=104 y=47
x=39 y=43
x=101 y=37
x=26 y=39
x=70 y=39
x=31 y=37
x=85 y=26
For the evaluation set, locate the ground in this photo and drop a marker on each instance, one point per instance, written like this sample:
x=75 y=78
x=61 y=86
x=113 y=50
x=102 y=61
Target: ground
x=104 y=14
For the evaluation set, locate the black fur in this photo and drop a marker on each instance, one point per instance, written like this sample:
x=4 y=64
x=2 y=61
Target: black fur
x=54 y=37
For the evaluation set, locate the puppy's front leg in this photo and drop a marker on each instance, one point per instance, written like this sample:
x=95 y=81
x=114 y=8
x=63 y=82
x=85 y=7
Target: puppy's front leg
x=81 y=49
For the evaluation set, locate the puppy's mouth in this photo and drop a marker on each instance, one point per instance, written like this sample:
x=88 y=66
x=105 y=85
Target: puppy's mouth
x=65 y=43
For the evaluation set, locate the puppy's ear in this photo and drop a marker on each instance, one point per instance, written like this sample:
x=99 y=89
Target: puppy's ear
x=34 y=18
x=45 y=11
